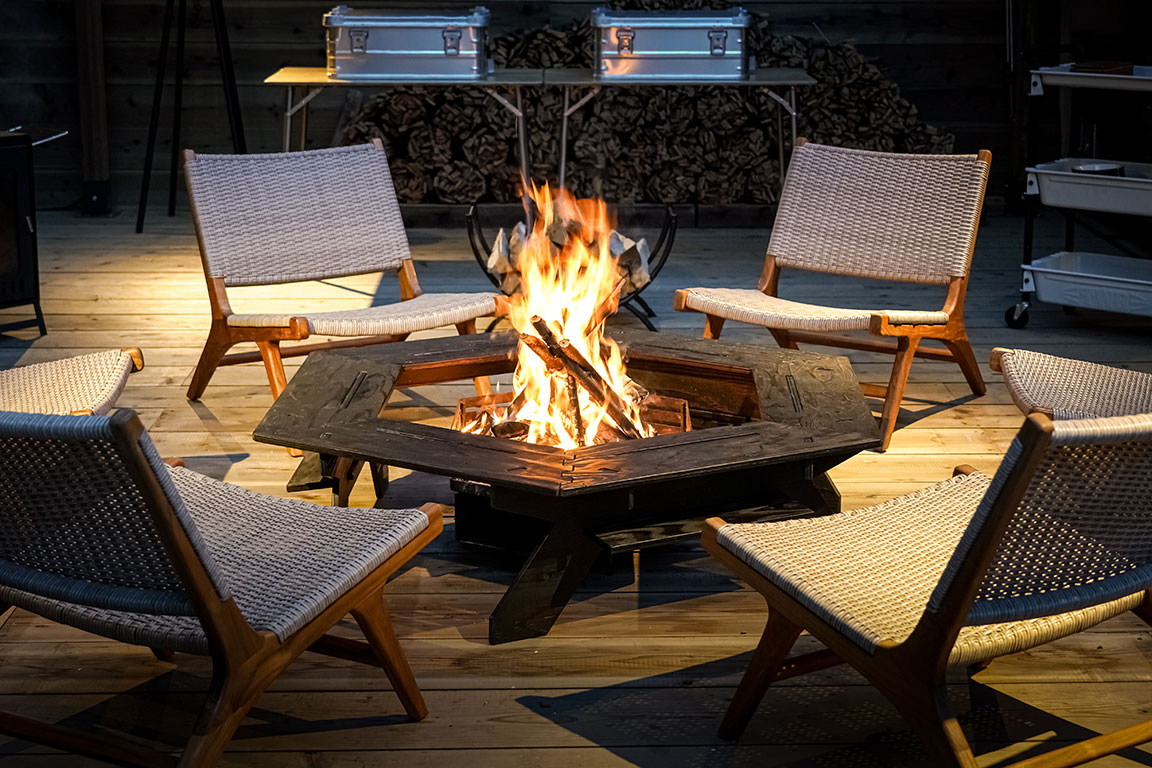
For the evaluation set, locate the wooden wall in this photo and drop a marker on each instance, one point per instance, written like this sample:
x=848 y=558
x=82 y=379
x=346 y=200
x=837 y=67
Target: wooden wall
x=948 y=56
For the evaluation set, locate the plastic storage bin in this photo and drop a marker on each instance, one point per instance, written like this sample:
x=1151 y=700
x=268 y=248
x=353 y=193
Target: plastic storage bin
x=1093 y=281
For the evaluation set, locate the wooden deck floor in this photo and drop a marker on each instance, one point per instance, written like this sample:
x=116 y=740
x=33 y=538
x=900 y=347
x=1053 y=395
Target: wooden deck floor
x=641 y=665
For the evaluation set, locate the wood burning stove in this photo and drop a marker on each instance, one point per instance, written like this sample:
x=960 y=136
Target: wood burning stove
x=19 y=273
x=767 y=424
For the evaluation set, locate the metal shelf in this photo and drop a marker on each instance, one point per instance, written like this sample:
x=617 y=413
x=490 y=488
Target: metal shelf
x=1062 y=76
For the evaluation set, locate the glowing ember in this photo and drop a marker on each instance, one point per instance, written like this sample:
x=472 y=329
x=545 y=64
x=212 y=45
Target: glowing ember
x=570 y=387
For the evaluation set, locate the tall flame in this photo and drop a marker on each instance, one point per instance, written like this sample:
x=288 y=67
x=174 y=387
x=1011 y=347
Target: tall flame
x=572 y=286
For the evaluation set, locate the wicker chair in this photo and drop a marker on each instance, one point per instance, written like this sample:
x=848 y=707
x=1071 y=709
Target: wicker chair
x=86 y=384
x=294 y=216
x=97 y=533
x=959 y=573
x=876 y=215
x=1071 y=389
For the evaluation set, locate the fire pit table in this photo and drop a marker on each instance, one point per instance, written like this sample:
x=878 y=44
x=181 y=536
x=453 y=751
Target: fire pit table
x=768 y=423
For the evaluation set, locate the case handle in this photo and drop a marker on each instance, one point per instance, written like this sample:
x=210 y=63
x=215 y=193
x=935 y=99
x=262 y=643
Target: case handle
x=452 y=37
x=718 y=41
x=624 y=40
x=359 y=40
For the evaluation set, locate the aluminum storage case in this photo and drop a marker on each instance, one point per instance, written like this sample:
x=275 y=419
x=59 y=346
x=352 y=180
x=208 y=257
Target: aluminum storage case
x=372 y=45
x=671 y=45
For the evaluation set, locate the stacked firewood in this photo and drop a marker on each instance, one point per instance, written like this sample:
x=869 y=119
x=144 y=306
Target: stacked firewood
x=697 y=144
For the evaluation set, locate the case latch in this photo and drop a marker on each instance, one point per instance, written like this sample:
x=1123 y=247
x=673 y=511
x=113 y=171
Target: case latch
x=624 y=40
x=359 y=40
x=452 y=41
x=718 y=41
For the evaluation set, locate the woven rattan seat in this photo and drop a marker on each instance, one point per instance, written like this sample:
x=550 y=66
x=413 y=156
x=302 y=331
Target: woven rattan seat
x=875 y=215
x=426 y=311
x=1071 y=389
x=747 y=305
x=263 y=219
x=96 y=532
x=284 y=561
x=1058 y=540
x=82 y=384
x=870 y=572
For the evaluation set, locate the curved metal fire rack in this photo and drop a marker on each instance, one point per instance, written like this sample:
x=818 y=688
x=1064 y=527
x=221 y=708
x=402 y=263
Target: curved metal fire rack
x=633 y=302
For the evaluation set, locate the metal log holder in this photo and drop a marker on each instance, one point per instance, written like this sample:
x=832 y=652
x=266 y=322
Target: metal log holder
x=633 y=302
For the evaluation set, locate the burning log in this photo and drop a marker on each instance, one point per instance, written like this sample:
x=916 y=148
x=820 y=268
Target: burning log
x=511 y=430
x=587 y=376
x=607 y=307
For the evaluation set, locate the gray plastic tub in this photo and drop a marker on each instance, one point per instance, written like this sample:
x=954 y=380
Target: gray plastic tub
x=1058 y=185
x=1061 y=187
x=1093 y=281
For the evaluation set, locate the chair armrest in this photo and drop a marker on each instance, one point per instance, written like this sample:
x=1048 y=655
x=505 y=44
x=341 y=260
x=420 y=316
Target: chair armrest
x=137 y=358
x=175 y=461
x=997 y=354
x=963 y=469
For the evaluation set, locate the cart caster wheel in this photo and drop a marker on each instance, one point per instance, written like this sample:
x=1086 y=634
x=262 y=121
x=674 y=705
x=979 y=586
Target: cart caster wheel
x=1016 y=316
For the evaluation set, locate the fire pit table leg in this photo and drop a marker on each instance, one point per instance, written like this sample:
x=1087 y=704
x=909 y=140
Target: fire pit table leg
x=818 y=494
x=544 y=585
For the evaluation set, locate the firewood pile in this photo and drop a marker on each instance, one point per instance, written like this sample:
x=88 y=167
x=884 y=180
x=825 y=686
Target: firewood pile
x=651 y=144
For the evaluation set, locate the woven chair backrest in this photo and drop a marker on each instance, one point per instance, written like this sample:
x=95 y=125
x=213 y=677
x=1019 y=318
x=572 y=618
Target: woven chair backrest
x=878 y=214
x=1073 y=389
x=75 y=526
x=290 y=216
x=1081 y=534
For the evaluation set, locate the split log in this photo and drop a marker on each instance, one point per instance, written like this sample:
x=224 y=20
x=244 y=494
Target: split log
x=458 y=182
x=587 y=377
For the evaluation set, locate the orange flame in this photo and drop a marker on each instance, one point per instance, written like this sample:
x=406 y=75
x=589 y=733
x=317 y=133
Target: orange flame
x=572 y=288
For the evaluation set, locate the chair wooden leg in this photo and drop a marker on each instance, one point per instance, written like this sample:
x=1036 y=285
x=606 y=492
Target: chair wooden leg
x=713 y=325
x=229 y=699
x=783 y=340
x=273 y=366
x=905 y=353
x=778 y=638
x=372 y=616
x=217 y=344
x=163 y=654
x=928 y=712
x=277 y=380
x=962 y=351
x=483 y=386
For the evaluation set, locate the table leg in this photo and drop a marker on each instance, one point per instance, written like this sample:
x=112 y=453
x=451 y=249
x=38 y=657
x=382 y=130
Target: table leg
x=517 y=111
x=564 y=137
x=304 y=127
x=818 y=494
x=286 y=144
x=544 y=585
x=569 y=109
x=379 y=474
x=522 y=130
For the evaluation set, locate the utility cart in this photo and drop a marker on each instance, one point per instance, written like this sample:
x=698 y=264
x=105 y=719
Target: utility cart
x=1078 y=279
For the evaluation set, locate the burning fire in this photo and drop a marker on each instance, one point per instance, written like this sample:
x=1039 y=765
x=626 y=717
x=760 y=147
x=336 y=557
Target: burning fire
x=570 y=387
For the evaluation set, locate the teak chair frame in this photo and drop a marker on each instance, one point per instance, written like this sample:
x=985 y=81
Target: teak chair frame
x=244 y=662
x=910 y=674
x=137 y=365
x=222 y=336
x=906 y=337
